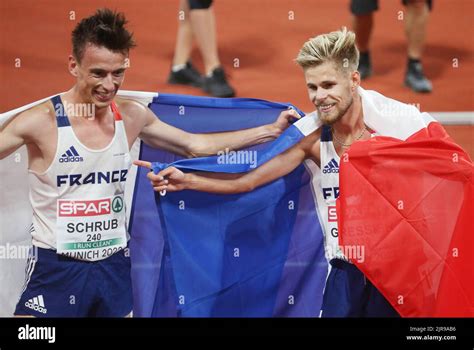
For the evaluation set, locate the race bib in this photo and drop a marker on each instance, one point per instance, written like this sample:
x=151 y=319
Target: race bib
x=91 y=229
x=333 y=250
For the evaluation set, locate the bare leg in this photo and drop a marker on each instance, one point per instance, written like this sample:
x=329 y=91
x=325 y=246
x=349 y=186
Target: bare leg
x=415 y=27
x=203 y=23
x=363 y=29
x=184 y=38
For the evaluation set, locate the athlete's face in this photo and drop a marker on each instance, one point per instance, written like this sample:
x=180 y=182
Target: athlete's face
x=99 y=74
x=331 y=90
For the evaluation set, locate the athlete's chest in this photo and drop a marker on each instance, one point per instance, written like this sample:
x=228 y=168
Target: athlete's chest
x=341 y=149
x=93 y=135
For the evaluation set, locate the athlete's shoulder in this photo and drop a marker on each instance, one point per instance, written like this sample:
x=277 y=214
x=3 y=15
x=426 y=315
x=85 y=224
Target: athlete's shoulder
x=130 y=108
x=36 y=118
x=313 y=137
x=310 y=126
x=41 y=111
x=34 y=124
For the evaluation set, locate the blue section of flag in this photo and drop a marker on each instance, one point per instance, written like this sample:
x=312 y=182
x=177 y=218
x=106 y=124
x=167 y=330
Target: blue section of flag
x=224 y=163
x=258 y=254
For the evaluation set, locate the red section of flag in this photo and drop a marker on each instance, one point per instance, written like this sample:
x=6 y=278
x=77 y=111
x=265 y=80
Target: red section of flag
x=414 y=199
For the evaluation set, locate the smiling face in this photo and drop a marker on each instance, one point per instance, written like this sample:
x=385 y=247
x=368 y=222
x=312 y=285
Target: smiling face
x=99 y=74
x=331 y=90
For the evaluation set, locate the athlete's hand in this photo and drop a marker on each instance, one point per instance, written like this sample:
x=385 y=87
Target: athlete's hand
x=169 y=179
x=285 y=119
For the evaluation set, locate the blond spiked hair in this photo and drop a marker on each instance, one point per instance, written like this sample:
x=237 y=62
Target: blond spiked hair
x=338 y=47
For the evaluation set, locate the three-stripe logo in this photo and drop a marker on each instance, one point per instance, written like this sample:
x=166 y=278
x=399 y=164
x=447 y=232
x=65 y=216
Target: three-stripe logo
x=37 y=304
x=70 y=156
x=331 y=167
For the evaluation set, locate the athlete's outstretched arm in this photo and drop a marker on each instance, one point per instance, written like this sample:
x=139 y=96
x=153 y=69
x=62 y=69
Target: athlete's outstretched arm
x=172 y=179
x=161 y=135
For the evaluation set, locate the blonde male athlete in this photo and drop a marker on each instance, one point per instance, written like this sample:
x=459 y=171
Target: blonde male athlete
x=329 y=62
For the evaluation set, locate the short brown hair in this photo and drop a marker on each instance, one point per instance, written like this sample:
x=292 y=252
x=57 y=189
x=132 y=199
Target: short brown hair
x=105 y=28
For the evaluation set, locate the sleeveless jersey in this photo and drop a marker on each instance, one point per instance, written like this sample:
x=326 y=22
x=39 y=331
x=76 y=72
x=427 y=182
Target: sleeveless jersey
x=330 y=162
x=330 y=191
x=78 y=203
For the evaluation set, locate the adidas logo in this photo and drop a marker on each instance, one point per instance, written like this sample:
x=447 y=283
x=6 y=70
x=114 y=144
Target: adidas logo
x=331 y=167
x=70 y=156
x=37 y=304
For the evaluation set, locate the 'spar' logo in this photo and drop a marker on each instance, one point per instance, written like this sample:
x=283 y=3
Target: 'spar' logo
x=84 y=207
